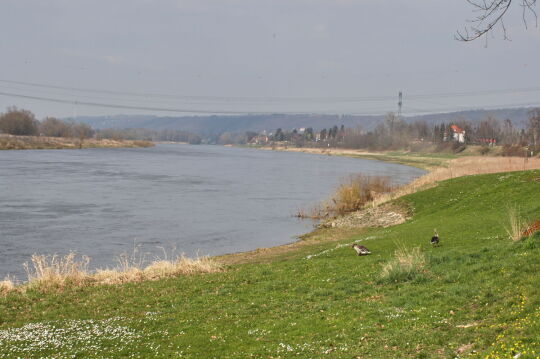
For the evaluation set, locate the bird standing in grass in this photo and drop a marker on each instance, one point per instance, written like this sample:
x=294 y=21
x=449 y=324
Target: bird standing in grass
x=361 y=250
x=435 y=239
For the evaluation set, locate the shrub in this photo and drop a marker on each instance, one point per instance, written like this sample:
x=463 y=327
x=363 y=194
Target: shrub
x=359 y=190
x=484 y=150
x=407 y=264
x=513 y=151
x=18 y=122
x=350 y=196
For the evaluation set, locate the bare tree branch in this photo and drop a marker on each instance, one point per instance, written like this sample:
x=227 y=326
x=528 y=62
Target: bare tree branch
x=491 y=14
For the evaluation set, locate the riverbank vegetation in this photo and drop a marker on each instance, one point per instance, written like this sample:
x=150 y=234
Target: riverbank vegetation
x=490 y=136
x=476 y=294
x=142 y=134
x=10 y=142
x=352 y=195
x=20 y=130
x=54 y=273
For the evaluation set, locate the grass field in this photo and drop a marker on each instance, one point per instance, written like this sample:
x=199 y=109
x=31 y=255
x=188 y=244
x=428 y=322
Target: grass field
x=477 y=294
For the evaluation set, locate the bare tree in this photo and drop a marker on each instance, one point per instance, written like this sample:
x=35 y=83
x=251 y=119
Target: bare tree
x=18 y=122
x=491 y=13
x=534 y=127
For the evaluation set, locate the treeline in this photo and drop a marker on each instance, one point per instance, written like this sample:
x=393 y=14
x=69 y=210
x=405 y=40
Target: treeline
x=21 y=122
x=149 y=135
x=396 y=134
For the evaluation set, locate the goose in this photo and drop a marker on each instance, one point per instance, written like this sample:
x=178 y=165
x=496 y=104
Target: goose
x=361 y=250
x=435 y=238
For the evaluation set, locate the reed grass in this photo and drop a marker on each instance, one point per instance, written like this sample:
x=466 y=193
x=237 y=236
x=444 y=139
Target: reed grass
x=47 y=272
x=407 y=264
x=6 y=286
x=516 y=224
x=55 y=272
x=352 y=195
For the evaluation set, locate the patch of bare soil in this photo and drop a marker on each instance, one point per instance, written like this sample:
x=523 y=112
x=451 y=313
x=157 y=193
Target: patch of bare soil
x=381 y=216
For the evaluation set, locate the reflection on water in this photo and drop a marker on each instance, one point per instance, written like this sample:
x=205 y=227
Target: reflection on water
x=199 y=199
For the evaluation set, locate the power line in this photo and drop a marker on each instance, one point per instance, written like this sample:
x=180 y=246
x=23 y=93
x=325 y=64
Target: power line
x=277 y=99
x=159 y=109
x=415 y=110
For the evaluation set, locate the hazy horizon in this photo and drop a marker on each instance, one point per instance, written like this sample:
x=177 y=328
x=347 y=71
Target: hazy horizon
x=241 y=56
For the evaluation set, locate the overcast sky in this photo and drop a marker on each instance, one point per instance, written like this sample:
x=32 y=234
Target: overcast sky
x=338 y=56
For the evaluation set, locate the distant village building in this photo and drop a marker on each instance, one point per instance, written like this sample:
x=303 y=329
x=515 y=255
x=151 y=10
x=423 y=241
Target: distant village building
x=458 y=134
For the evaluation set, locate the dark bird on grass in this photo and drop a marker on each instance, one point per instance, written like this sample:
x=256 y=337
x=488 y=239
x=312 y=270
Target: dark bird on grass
x=361 y=250
x=435 y=239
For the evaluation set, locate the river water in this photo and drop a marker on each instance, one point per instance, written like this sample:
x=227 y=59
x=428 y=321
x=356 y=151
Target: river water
x=204 y=200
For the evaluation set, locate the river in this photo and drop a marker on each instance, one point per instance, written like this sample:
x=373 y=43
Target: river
x=204 y=200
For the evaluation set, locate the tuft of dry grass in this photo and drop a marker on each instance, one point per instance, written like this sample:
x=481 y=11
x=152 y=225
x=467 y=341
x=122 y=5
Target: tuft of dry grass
x=50 y=273
x=516 y=224
x=406 y=265
x=6 y=286
x=47 y=272
x=160 y=268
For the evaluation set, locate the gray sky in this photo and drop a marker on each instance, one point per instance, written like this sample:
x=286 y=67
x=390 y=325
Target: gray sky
x=337 y=56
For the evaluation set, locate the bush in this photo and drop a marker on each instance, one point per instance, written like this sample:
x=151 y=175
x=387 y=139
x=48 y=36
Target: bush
x=353 y=195
x=513 y=151
x=19 y=122
x=484 y=150
x=52 y=127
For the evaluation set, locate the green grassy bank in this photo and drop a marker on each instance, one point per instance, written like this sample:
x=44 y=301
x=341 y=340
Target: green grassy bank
x=477 y=295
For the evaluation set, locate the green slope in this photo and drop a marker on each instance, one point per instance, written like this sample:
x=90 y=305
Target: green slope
x=479 y=293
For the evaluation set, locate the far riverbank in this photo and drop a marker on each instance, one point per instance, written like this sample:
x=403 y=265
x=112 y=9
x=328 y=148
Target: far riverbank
x=11 y=142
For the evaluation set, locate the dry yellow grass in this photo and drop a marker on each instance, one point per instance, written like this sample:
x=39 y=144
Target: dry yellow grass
x=55 y=271
x=464 y=166
x=405 y=264
x=6 y=286
x=11 y=142
x=516 y=224
x=49 y=273
x=156 y=270
x=350 y=196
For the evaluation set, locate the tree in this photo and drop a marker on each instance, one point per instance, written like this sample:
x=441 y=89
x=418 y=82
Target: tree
x=309 y=134
x=533 y=127
x=390 y=120
x=334 y=131
x=489 y=128
x=19 y=122
x=53 y=127
x=279 y=135
x=492 y=13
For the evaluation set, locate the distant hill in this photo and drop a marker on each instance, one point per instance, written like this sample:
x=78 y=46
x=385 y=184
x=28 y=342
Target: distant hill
x=217 y=124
